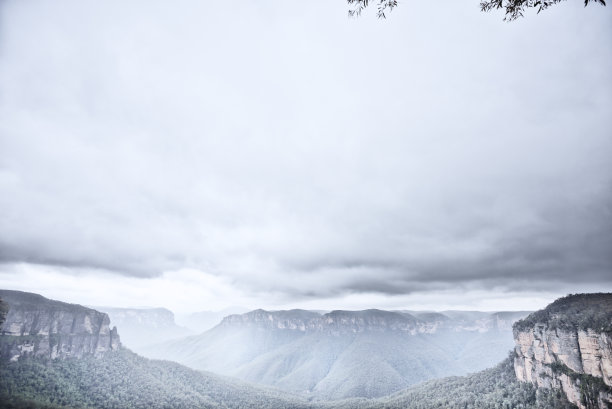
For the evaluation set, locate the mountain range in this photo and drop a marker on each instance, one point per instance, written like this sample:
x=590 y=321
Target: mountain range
x=332 y=355
x=60 y=355
x=201 y=321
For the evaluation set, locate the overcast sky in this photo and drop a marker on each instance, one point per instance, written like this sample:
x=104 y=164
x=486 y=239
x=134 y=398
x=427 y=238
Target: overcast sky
x=272 y=153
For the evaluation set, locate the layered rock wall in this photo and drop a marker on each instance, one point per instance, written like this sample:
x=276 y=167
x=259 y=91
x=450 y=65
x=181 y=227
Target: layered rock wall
x=577 y=361
x=342 y=322
x=38 y=327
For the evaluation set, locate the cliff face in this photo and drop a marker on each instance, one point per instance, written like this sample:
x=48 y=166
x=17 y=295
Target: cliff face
x=140 y=327
x=343 y=322
x=571 y=352
x=335 y=322
x=39 y=327
x=298 y=320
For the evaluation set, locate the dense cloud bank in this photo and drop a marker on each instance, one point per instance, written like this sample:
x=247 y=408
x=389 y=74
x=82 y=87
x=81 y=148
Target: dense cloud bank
x=290 y=149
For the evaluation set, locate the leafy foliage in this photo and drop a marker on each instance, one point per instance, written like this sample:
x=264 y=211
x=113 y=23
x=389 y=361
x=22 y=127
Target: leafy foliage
x=382 y=6
x=18 y=403
x=573 y=312
x=515 y=8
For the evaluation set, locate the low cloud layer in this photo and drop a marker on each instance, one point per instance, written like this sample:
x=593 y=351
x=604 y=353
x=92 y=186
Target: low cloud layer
x=288 y=150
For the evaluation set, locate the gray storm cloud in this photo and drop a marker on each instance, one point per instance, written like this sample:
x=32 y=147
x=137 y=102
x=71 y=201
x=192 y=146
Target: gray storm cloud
x=290 y=149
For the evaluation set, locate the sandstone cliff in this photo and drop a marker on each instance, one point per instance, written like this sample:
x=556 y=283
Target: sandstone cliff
x=39 y=327
x=568 y=346
x=343 y=322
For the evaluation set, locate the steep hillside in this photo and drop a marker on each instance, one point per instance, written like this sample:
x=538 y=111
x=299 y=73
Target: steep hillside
x=568 y=346
x=333 y=355
x=37 y=326
x=494 y=388
x=140 y=327
x=56 y=354
x=122 y=379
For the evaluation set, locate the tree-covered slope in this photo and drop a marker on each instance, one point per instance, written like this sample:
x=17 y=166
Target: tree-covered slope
x=494 y=388
x=123 y=380
x=4 y=307
x=572 y=312
x=32 y=301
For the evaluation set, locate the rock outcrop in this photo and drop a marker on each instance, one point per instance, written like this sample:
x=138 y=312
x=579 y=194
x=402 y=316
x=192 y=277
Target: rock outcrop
x=38 y=327
x=568 y=346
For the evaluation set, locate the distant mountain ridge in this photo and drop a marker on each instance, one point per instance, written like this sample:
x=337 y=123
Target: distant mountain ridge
x=151 y=317
x=340 y=321
x=201 y=321
x=140 y=327
x=332 y=355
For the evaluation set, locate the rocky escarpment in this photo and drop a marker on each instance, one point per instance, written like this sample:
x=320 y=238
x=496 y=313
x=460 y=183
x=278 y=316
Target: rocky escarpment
x=568 y=346
x=158 y=318
x=299 y=320
x=39 y=327
x=342 y=322
x=335 y=322
x=140 y=327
